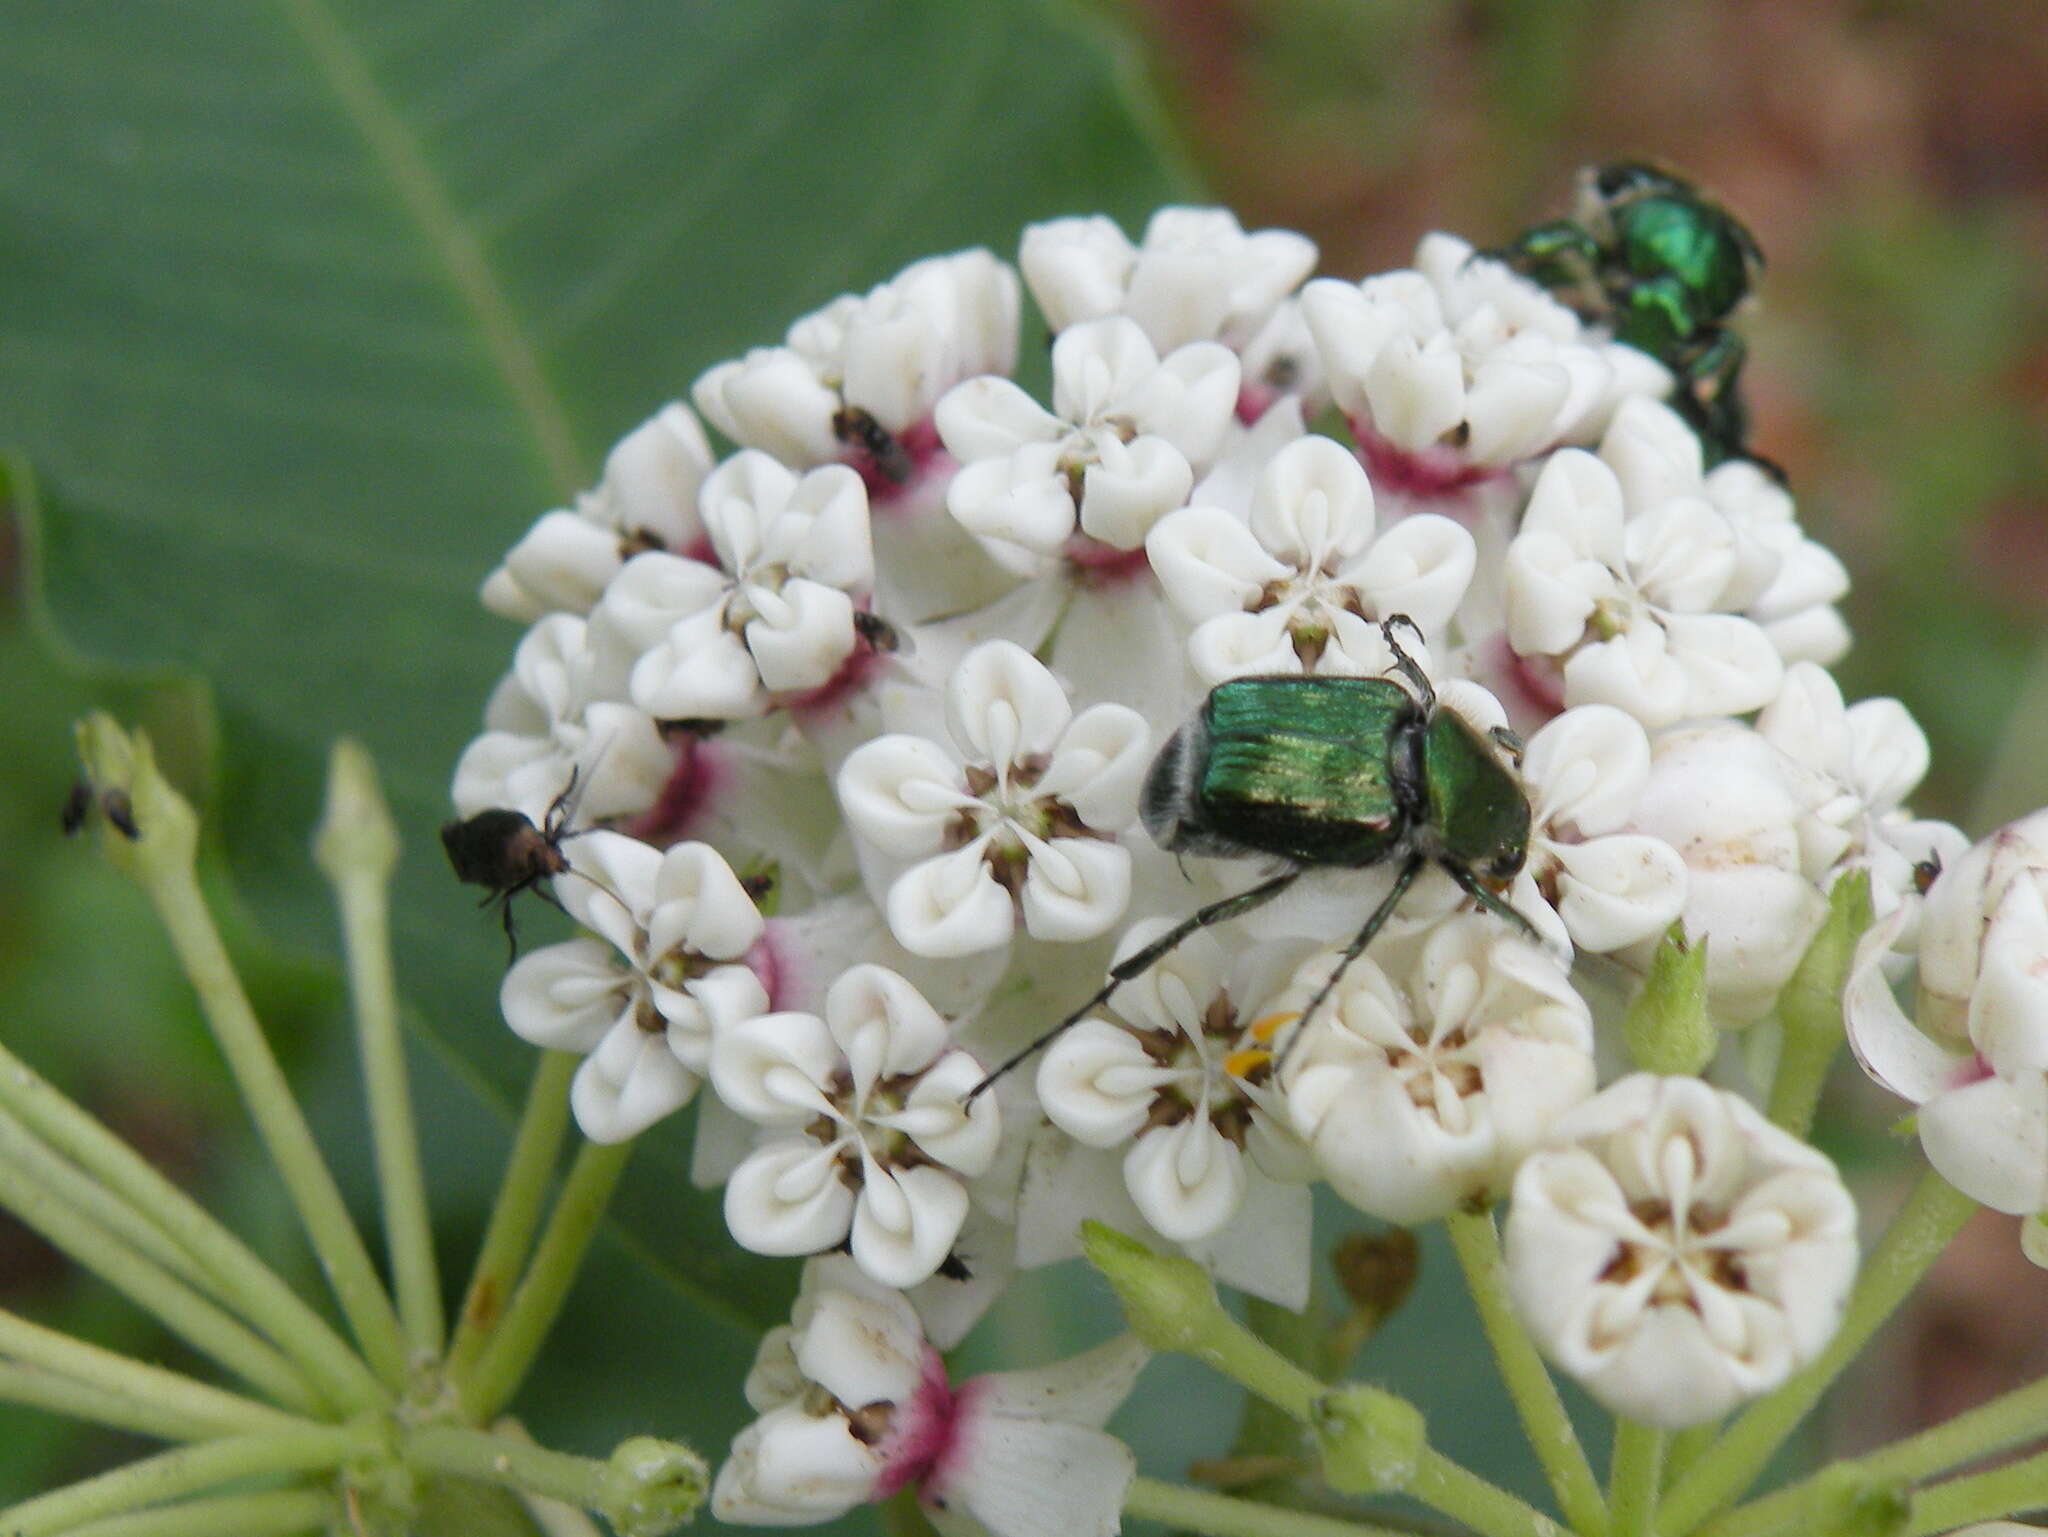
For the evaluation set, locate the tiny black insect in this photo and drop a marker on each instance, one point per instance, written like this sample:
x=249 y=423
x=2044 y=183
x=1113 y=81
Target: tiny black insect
x=76 y=807
x=501 y=849
x=121 y=812
x=856 y=427
x=1926 y=872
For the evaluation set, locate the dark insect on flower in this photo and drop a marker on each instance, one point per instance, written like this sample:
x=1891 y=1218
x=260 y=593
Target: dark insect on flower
x=1651 y=258
x=856 y=427
x=114 y=805
x=77 y=805
x=1926 y=872
x=501 y=849
x=121 y=812
x=1323 y=773
x=880 y=635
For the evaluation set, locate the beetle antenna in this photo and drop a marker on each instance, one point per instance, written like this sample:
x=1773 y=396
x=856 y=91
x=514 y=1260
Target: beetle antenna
x=1138 y=962
x=1406 y=665
x=1351 y=952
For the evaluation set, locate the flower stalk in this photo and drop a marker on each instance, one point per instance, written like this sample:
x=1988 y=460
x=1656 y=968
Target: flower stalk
x=536 y=1304
x=161 y=858
x=1537 y=1402
x=1810 y=1007
x=516 y=1213
x=1220 y=1515
x=191 y=1470
x=357 y=847
x=243 y=1280
x=1635 y=1478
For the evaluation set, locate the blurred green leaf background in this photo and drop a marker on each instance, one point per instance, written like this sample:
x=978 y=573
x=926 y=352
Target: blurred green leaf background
x=308 y=307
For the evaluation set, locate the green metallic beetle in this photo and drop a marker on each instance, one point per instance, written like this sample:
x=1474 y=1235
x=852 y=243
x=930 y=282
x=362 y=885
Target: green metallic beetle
x=1650 y=257
x=1322 y=773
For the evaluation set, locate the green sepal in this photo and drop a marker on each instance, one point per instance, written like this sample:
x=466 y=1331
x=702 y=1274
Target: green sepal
x=1667 y=1027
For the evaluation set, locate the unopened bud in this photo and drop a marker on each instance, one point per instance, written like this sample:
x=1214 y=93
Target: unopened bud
x=1667 y=1028
x=652 y=1487
x=1170 y=1301
x=1371 y=1441
x=1847 y=1502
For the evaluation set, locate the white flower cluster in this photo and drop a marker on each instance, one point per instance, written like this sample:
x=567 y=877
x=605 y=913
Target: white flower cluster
x=862 y=712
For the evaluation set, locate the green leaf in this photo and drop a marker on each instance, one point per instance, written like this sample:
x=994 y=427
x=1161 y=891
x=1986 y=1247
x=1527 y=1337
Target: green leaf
x=313 y=305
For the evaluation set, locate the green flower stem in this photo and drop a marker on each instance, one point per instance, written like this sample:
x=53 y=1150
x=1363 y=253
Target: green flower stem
x=241 y=1278
x=189 y=1470
x=535 y=1305
x=529 y=1169
x=2012 y=1490
x=209 y=1410
x=161 y=859
x=1930 y=1218
x=1684 y=1448
x=34 y=1388
x=1635 y=1478
x=357 y=847
x=1544 y=1420
x=2009 y=1420
x=177 y=1306
x=1249 y=1361
x=1810 y=1006
x=283 y=1127
x=28 y=1159
x=1218 y=1515
x=514 y=1464
x=1464 y=1496
x=281 y=1513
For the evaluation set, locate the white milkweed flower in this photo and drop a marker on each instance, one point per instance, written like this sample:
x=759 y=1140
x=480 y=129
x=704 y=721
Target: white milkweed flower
x=890 y=353
x=1302 y=583
x=647 y=500
x=1017 y=818
x=769 y=614
x=1448 y=376
x=1797 y=609
x=1442 y=1058
x=870 y=1130
x=1198 y=276
x=546 y=722
x=1977 y=1063
x=855 y=1404
x=1585 y=881
x=1120 y=448
x=1182 y=1079
x=1677 y=1253
x=1634 y=584
x=1736 y=809
x=643 y=996
x=1872 y=755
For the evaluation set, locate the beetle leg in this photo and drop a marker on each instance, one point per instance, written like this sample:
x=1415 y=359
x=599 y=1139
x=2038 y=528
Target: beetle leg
x=1405 y=665
x=1138 y=962
x=1469 y=884
x=1351 y=952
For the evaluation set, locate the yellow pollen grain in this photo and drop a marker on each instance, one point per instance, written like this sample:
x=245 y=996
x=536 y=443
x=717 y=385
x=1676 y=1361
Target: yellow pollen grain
x=1242 y=1064
x=1266 y=1029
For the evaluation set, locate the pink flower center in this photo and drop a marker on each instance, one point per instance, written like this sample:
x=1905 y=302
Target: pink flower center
x=922 y=1439
x=696 y=777
x=1424 y=474
x=1098 y=565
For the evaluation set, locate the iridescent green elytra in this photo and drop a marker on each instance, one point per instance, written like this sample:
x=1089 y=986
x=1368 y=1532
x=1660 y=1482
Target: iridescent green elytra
x=1653 y=259
x=1328 y=772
